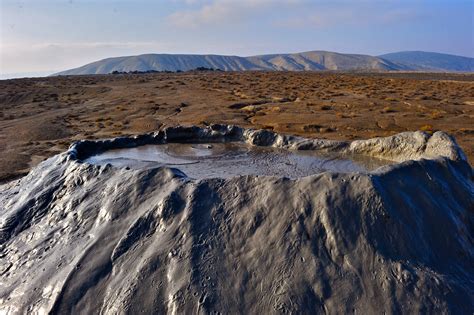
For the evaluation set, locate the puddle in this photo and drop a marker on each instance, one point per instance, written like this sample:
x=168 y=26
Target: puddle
x=209 y=160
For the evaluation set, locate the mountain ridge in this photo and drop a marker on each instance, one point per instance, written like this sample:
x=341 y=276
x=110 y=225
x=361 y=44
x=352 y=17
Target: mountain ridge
x=316 y=60
x=432 y=61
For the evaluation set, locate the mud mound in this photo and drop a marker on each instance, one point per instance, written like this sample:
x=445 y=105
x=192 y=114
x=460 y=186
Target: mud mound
x=83 y=238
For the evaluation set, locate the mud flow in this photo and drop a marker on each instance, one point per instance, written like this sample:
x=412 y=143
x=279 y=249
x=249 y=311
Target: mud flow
x=224 y=160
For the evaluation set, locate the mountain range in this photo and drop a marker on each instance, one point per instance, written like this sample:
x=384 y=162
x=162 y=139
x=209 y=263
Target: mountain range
x=305 y=61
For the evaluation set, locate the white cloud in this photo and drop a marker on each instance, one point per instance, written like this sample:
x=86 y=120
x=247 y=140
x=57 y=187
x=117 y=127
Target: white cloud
x=208 y=14
x=298 y=13
x=219 y=11
x=324 y=17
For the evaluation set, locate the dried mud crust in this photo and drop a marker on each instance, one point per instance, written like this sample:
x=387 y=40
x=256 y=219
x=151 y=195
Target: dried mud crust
x=41 y=117
x=103 y=239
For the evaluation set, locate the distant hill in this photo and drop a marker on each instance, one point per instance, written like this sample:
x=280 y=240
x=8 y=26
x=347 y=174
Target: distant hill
x=311 y=60
x=163 y=62
x=430 y=61
x=321 y=60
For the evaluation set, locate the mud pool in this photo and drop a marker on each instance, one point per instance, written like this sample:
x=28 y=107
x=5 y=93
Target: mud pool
x=224 y=160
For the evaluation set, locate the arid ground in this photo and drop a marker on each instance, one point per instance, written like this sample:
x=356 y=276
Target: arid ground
x=43 y=116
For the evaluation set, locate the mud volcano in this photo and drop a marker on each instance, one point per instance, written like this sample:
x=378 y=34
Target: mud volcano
x=229 y=220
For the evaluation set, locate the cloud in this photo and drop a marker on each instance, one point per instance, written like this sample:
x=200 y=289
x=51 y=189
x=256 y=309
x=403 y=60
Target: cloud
x=362 y=15
x=219 y=11
x=295 y=13
x=208 y=14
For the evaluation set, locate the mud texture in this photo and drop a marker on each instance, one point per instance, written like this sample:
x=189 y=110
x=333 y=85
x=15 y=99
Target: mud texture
x=230 y=159
x=83 y=238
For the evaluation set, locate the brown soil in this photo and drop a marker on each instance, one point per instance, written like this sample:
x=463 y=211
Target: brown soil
x=43 y=116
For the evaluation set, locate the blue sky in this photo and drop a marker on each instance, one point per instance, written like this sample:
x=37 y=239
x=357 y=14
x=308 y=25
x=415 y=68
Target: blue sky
x=42 y=36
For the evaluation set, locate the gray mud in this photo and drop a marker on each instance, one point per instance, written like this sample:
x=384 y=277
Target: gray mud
x=230 y=159
x=83 y=238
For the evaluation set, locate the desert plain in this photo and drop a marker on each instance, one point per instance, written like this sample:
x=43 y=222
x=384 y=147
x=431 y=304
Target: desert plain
x=41 y=117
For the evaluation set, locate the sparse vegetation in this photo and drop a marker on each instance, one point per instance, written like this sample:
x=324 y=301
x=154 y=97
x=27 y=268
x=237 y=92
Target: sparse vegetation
x=427 y=128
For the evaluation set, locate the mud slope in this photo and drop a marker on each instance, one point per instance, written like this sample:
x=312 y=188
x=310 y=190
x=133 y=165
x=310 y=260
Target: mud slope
x=84 y=238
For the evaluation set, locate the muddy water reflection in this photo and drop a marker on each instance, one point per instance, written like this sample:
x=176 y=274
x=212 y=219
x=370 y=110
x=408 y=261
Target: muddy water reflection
x=209 y=160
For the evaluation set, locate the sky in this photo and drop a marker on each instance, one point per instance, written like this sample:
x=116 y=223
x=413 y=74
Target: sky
x=40 y=37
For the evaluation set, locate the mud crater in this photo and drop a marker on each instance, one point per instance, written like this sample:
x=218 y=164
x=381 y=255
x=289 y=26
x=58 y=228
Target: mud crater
x=230 y=159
